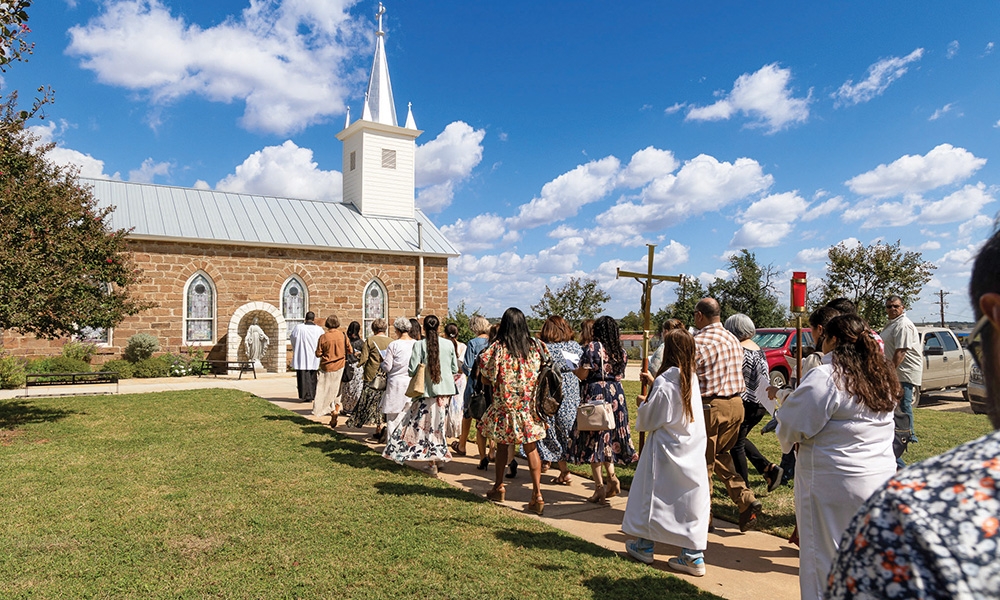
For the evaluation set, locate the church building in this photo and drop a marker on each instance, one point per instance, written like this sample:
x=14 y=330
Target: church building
x=216 y=261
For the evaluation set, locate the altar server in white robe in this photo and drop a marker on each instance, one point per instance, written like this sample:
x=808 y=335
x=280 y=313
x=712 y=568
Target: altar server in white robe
x=841 y=419
x=670 y=498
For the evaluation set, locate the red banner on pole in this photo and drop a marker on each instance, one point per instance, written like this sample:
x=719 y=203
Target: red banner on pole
x=798 y=292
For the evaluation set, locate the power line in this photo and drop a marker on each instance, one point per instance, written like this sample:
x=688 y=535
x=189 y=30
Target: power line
x=942 y=304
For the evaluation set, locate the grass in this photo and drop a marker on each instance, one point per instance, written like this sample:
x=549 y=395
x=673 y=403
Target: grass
x=218 y=493
x=938 y=432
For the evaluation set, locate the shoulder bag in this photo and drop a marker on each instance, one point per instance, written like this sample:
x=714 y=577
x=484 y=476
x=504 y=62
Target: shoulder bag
x=596 y=416
x=548 y=386
x=416 y=387
x=480 y=394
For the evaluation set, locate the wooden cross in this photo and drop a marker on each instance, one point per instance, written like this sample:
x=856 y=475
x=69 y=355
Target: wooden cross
x=648 y=280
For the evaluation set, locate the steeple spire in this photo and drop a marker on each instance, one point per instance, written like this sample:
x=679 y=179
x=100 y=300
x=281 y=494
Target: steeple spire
x=410 y=123
x=379 y=102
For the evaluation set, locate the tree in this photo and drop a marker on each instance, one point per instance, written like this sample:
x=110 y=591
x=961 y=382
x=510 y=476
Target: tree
x=632 y=322
x=61 y=268
x=868 y=274
x=688 y=295
x=579 y=299
x=750 y=291
x=460 y=317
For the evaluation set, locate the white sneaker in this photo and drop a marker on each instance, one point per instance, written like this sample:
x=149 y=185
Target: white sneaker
x=639 y=553
x=694 y=567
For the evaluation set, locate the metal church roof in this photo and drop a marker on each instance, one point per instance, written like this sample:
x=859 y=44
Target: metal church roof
x=159 y=212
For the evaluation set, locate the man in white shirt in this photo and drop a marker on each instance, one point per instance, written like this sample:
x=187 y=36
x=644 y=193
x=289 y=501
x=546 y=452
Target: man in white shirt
x=903 y=349
x=305 y=337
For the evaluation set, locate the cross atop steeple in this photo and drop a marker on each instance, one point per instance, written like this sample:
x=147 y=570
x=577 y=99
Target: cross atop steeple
x=381 y=11
x=380 y=104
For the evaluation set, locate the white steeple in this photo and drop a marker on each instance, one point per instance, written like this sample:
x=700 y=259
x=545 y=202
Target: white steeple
x=379 y=155
x=410 y=122
x=380 y=103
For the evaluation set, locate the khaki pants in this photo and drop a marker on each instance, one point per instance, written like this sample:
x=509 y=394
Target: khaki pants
x=723 y=417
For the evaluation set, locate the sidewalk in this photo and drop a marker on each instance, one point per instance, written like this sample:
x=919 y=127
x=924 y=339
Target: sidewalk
x=740 y=565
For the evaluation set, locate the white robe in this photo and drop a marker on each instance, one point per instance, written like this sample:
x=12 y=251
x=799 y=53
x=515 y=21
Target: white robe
x=845 y=454
x=396 y=364
x=670 y=497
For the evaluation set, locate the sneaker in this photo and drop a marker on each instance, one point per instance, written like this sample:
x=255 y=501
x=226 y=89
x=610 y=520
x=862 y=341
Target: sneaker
x=748 y=518
x=691 y=566
x=773 y=476
x=641 y=553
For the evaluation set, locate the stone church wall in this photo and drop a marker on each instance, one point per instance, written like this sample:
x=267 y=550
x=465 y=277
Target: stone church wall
x=335 y=282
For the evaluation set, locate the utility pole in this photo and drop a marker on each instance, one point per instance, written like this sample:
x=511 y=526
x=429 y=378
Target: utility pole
x=942 y=304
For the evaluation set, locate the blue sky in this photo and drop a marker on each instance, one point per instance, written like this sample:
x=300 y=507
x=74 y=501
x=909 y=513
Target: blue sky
x=561 y=137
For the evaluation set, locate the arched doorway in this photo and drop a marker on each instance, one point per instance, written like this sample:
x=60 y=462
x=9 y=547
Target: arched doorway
x=270 y=320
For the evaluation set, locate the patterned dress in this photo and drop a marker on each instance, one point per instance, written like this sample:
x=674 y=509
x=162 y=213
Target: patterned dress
x=352 y=387
x=603 y=385
x=555 y=446
x=420 y=436
x=511 y=418
x=931 y=532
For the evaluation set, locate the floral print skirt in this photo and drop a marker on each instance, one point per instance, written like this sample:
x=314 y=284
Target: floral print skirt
x=420 y=435
x=612 y=445
x=366 y=410
x=352 y=389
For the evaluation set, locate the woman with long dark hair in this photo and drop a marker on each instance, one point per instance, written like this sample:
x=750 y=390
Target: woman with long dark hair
x=841 y=418
x=420 y=436
x=511 y=364
x=352 y=387
x=669 y=501
x=601 y=369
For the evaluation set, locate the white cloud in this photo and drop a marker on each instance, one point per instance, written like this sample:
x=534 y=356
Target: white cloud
x=646 y=165
x=287 y=61
x=873 y=213
x=446 y=161
x=997 y=124
x=812 y=255
x=66 y=157
x=958 y=206
x=563 y=196
x=776 y=208
x=952 y=50
x=760 y=235
x=826 y=208
x=149 y=170
x=676 y=107
x=930 y=245
x=947 y=108
x=989 y=48
x=944 y=165
x=286 y=170
x=763 y=96
x=708 y=279
x=977 y=223
x=481 y=232
x=880 y=76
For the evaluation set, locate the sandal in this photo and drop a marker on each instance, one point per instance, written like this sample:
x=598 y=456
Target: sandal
x=563 y=480
x=455 y=450
x=537 y=505
x=497 y=494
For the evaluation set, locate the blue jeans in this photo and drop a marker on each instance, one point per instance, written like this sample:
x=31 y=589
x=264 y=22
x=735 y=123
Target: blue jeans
x=906 y=404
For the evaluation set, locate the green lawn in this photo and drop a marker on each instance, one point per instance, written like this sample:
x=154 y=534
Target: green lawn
x=938 y=431
x=218 y=493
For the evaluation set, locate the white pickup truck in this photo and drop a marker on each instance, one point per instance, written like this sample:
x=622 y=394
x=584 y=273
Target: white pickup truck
x=946 y=365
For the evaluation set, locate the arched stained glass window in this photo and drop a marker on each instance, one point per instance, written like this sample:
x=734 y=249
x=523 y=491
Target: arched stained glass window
x=375 y=303
x=294 y=302
x=199 y=310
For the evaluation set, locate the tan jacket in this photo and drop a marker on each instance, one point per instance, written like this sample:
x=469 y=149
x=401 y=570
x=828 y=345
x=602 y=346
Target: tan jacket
x=332 y=350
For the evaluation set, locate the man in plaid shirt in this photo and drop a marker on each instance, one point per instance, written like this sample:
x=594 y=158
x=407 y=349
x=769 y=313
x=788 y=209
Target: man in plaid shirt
x=719 y=365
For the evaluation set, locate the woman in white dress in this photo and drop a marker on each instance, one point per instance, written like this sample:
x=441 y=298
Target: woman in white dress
x=841 y=418
x=396 y=364
x=670 y=498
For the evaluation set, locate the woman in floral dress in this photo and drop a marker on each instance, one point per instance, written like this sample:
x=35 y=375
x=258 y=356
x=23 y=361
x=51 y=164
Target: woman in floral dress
x=558 y=337
x=511 y=364
x=352 y=387
x=420 y=435
x=601 y=369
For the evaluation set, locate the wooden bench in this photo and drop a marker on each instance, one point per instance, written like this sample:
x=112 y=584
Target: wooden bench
x=71 y=379
x=243 y=366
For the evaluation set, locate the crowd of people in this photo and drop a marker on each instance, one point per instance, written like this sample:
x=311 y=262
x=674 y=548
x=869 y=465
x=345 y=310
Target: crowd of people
x=839 y=431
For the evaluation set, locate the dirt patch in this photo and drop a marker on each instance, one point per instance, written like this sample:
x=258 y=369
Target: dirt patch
x=192 y=546
x=7 y=436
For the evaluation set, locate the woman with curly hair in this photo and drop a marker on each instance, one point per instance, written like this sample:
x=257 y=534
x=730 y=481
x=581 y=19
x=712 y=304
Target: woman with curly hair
x=841 y=418
x=420 y=436
x=558 y=337
x=601 y=369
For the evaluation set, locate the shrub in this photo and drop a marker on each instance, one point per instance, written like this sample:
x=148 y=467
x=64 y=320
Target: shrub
x=124 y=368
x=196 y=362
x=140 y=347
x=151 y=367
x=11 y=372
x=57 y=364
x=80 y=351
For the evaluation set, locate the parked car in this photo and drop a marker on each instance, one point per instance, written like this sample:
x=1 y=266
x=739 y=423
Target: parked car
x=975 y=392
x=946 y=364
x=779 y=345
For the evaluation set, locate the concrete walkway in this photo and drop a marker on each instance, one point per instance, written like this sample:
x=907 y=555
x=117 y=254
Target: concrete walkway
x=740 y=565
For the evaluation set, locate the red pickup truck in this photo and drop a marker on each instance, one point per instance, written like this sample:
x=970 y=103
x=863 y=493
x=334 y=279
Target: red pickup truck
x=779 y=344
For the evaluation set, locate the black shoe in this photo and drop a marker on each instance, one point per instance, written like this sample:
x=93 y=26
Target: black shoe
x=483 y=464
x=773 y=476
x=748 y=518
x=512 y=466
x=377 y=436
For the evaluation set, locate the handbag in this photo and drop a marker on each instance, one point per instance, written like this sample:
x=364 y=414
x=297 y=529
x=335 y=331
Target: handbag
x=416 y=387
x=378 y=384
x=480 y=395
x=595 y=417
